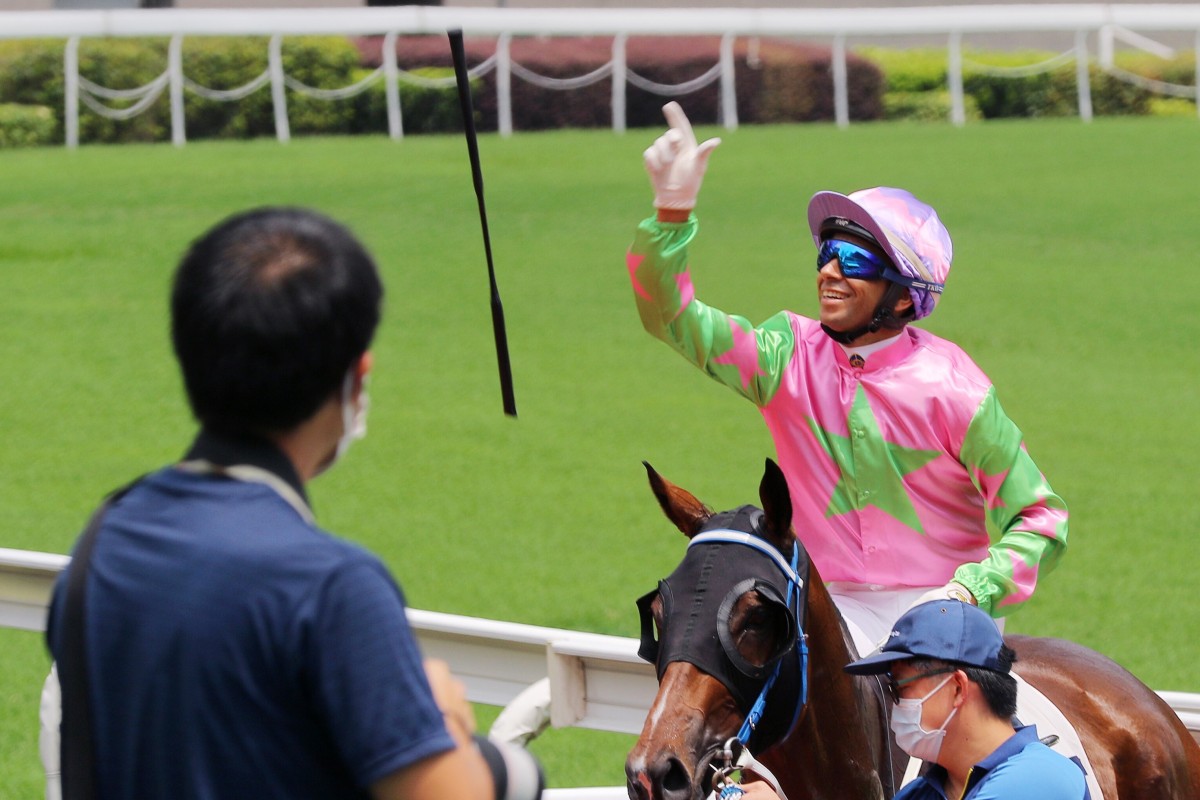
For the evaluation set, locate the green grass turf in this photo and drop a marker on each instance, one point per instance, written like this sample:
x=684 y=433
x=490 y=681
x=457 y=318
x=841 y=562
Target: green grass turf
x=1074 y=287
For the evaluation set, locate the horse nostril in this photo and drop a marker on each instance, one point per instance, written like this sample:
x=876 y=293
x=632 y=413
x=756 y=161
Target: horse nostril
x=674 y=782
x=665 y=779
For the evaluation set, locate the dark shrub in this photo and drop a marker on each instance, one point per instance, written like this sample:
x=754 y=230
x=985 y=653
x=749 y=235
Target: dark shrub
x=799 y=74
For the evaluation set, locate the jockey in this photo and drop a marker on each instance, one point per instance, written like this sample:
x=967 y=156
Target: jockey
x=908 y=480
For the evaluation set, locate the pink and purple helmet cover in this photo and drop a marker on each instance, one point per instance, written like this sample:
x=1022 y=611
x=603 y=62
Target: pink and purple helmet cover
x=908 y=230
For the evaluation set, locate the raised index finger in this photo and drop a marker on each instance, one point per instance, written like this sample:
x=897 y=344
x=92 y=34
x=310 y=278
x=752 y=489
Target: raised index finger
x=679 y=121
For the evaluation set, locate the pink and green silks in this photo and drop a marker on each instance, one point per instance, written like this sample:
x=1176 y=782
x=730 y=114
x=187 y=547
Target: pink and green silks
x=904 y=470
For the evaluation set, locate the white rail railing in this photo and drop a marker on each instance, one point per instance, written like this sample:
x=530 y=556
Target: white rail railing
x=1107 y=22
x=596 y=681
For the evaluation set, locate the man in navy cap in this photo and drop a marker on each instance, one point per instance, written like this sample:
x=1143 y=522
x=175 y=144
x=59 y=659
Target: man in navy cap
x=947 y=669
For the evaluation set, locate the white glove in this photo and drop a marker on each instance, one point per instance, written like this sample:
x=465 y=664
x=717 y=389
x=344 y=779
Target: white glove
x=951 y=591
x=675 y=163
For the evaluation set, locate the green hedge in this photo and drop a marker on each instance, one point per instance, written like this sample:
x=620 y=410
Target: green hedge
x=928 y=106
x=1045 y=94
x=916 y=70
x=22 y=126
x=423 y=109
x=31 y=72
x=1053 y=94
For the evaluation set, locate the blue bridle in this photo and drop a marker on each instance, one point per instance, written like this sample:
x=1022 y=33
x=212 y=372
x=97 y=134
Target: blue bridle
x=794 y=586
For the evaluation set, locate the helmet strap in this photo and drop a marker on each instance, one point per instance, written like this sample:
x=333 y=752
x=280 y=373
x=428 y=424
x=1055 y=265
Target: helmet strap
x=884 y=317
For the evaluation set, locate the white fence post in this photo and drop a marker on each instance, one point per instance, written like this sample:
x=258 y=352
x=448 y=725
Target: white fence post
x=1104 y=46
x=175 y=73
x=841 y=102
x=71 y=91
x=1196 y=81
x=283 y=131
x=618 y=82
x=958 y=112
x=392 y=87
x=1082 y=80
x=504 y=121
x=729 y=115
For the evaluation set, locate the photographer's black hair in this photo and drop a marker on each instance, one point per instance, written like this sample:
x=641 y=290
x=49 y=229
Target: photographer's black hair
x=269 y=310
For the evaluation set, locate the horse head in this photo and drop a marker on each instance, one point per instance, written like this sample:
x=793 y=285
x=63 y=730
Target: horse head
x=724 y=625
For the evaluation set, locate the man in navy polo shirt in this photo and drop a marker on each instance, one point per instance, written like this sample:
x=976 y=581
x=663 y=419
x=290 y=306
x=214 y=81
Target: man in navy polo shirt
x=235 y=649
x=948 y=671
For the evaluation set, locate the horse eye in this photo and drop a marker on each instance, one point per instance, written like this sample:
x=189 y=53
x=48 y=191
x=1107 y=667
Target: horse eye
x=759 y=617
x=656 y=612
x=758 y=628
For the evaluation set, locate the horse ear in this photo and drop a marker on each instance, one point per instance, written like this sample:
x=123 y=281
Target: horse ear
x=681 y=507
x=776 y=504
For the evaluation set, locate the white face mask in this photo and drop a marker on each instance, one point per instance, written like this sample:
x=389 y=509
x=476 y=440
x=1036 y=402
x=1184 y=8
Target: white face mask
x=354 y=418
x=906 y=724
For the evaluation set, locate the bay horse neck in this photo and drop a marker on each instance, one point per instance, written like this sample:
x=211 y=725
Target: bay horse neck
x=840 y=747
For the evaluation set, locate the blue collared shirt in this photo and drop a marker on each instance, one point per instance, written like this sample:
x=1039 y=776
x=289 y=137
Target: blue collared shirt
x=1020 y=768
x=236 y=650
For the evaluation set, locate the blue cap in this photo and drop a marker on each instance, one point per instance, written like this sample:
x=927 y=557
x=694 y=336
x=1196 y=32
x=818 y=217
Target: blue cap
x=948 y=630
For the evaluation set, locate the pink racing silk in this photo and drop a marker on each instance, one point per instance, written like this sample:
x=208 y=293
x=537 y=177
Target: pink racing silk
x=904 y=470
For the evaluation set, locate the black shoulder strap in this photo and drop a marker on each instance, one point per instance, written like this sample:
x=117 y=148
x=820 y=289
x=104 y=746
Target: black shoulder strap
x=77 y=750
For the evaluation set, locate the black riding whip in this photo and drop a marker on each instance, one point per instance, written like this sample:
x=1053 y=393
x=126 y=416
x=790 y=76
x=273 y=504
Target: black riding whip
x=468 y=114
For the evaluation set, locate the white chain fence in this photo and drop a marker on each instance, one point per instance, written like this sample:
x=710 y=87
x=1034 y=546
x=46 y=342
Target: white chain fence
x=665 y=90
x=1024 y=71
x=92 y=95
x=563 y=84
x=228 y=95
x=1079 y=55
x=1152 y=85
x=1106 y=22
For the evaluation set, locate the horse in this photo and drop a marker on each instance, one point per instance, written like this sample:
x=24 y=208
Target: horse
x=824 y=733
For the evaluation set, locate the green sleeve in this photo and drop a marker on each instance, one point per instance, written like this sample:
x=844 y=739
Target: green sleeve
x=749 y=360
x=1026 y=520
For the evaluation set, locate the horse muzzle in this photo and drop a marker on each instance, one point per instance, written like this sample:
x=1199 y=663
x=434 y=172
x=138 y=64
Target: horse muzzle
x=691 y=719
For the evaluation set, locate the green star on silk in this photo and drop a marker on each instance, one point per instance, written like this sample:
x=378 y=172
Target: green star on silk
x=871 y=467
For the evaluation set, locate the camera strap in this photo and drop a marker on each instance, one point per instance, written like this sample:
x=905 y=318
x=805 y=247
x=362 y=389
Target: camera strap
x=78 y=753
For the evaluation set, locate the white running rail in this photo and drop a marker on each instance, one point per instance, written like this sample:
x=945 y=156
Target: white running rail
x=597 y=681
x=1105 y=22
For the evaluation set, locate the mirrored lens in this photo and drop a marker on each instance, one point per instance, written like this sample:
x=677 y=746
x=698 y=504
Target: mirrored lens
x=854 y=261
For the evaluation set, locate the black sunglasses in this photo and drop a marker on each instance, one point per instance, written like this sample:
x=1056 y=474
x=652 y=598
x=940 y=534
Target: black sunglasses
x=894 y=686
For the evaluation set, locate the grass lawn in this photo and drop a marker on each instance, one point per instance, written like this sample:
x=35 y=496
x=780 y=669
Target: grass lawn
x=1074 y=288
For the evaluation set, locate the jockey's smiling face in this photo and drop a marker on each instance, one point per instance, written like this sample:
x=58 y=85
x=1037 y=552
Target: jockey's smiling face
x=849 y=303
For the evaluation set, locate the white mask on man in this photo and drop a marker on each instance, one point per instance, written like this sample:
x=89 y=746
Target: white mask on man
x=354 y=415
x=906 y=724
x=354 y=418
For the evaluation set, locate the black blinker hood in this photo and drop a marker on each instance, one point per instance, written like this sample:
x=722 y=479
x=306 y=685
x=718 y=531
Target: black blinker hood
x=697 y=600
